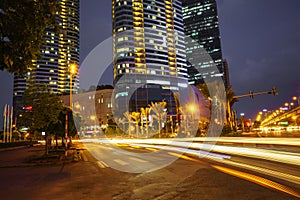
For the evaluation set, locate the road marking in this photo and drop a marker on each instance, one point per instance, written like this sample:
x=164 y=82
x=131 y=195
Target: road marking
x=101 y=164
x=151 y=149
x=106 y=165
x=137 y=159
x=84 y=157
x=121 y=162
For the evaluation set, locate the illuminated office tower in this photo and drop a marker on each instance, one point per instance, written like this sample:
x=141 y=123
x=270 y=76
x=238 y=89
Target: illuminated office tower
x=201 y=23
x=57 y=54
x=148 y=47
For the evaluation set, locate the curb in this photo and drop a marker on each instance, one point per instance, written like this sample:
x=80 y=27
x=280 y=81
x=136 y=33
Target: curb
x=13 y=148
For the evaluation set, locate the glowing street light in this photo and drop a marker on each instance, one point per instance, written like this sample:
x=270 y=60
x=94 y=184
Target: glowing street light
x=296 y=99
x=93 y=118
x=73 y=71
x=286 y=104
x=295 y=119
x=192 y=108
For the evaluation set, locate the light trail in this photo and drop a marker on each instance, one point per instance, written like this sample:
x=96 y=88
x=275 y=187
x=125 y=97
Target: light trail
x=258 y=180
x=266 y=154
x=217 y=153
x=225 y=159
x=250 y=177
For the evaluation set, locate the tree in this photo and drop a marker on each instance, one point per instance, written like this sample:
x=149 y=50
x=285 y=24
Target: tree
x=145 y=113
x=129 y=119
x=230 y=98
x=160 y=114
x=136 y=116
x=44 y=108
x=230 y=95
x=58 y=129
x=23 y=25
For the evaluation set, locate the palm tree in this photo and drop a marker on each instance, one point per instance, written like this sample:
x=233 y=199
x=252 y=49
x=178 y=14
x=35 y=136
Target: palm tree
x=136 y=117
x=242 y=120
x=145 y=113
x=127 y=115
x=160 y=114
x=230 y=95
x=205 y=92
x=230 y=100
x=122 y=121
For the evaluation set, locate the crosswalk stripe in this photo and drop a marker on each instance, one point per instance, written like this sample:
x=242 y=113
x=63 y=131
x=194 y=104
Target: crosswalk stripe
x=84 y=157
x=100 y=164
x=121 y=162
x=137 y=159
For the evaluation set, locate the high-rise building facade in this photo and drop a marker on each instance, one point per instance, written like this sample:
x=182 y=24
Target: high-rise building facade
x=148 y=44
x=57 y=54
x=201 y=24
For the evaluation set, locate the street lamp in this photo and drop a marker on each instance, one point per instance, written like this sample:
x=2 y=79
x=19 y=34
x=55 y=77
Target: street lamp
x=94 y=118
x=295 y=120
x=73 y=71
x=286 y=104
x=192 y=109
x=296 y=99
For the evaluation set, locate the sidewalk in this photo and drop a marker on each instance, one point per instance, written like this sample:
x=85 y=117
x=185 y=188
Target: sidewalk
x=26 y=156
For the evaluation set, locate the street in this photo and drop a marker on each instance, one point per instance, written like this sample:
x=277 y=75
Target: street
x=90 y=178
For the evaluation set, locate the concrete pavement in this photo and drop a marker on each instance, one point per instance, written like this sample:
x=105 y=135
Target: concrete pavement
x=85 y=179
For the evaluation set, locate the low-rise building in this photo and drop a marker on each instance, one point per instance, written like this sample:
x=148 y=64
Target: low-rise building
x=94 y=107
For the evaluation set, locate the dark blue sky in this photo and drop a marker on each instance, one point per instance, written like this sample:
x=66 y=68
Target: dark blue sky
x=260 y=40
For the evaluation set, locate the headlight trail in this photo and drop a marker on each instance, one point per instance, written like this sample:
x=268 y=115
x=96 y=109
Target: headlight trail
x=258 y=180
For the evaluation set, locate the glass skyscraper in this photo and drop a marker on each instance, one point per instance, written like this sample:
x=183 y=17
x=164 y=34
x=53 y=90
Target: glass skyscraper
x=148 y=46
x=201 y=24
x=57 y=54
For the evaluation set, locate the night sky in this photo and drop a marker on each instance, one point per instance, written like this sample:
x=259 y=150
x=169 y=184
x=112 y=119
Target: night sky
x=260 y=40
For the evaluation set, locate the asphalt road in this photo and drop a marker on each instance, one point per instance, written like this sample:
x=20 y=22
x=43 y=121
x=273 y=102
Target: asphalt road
x=91 y=178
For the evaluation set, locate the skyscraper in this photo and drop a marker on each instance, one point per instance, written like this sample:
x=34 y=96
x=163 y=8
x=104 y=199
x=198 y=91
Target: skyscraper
x=57 y=54
x=148 y=45
x=201 y=23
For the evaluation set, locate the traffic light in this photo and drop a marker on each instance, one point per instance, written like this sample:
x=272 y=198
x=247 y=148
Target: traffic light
x=251 y=95
x=274 y=91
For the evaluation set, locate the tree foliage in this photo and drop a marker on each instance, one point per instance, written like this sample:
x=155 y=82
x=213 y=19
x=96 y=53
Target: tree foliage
x=58 y=129
x=159 y=114
x=45 y=108
x=23 y=25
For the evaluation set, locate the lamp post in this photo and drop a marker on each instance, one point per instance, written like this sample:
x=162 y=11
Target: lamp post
x=192 y=109
x=93 y=118
x=73 y=71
